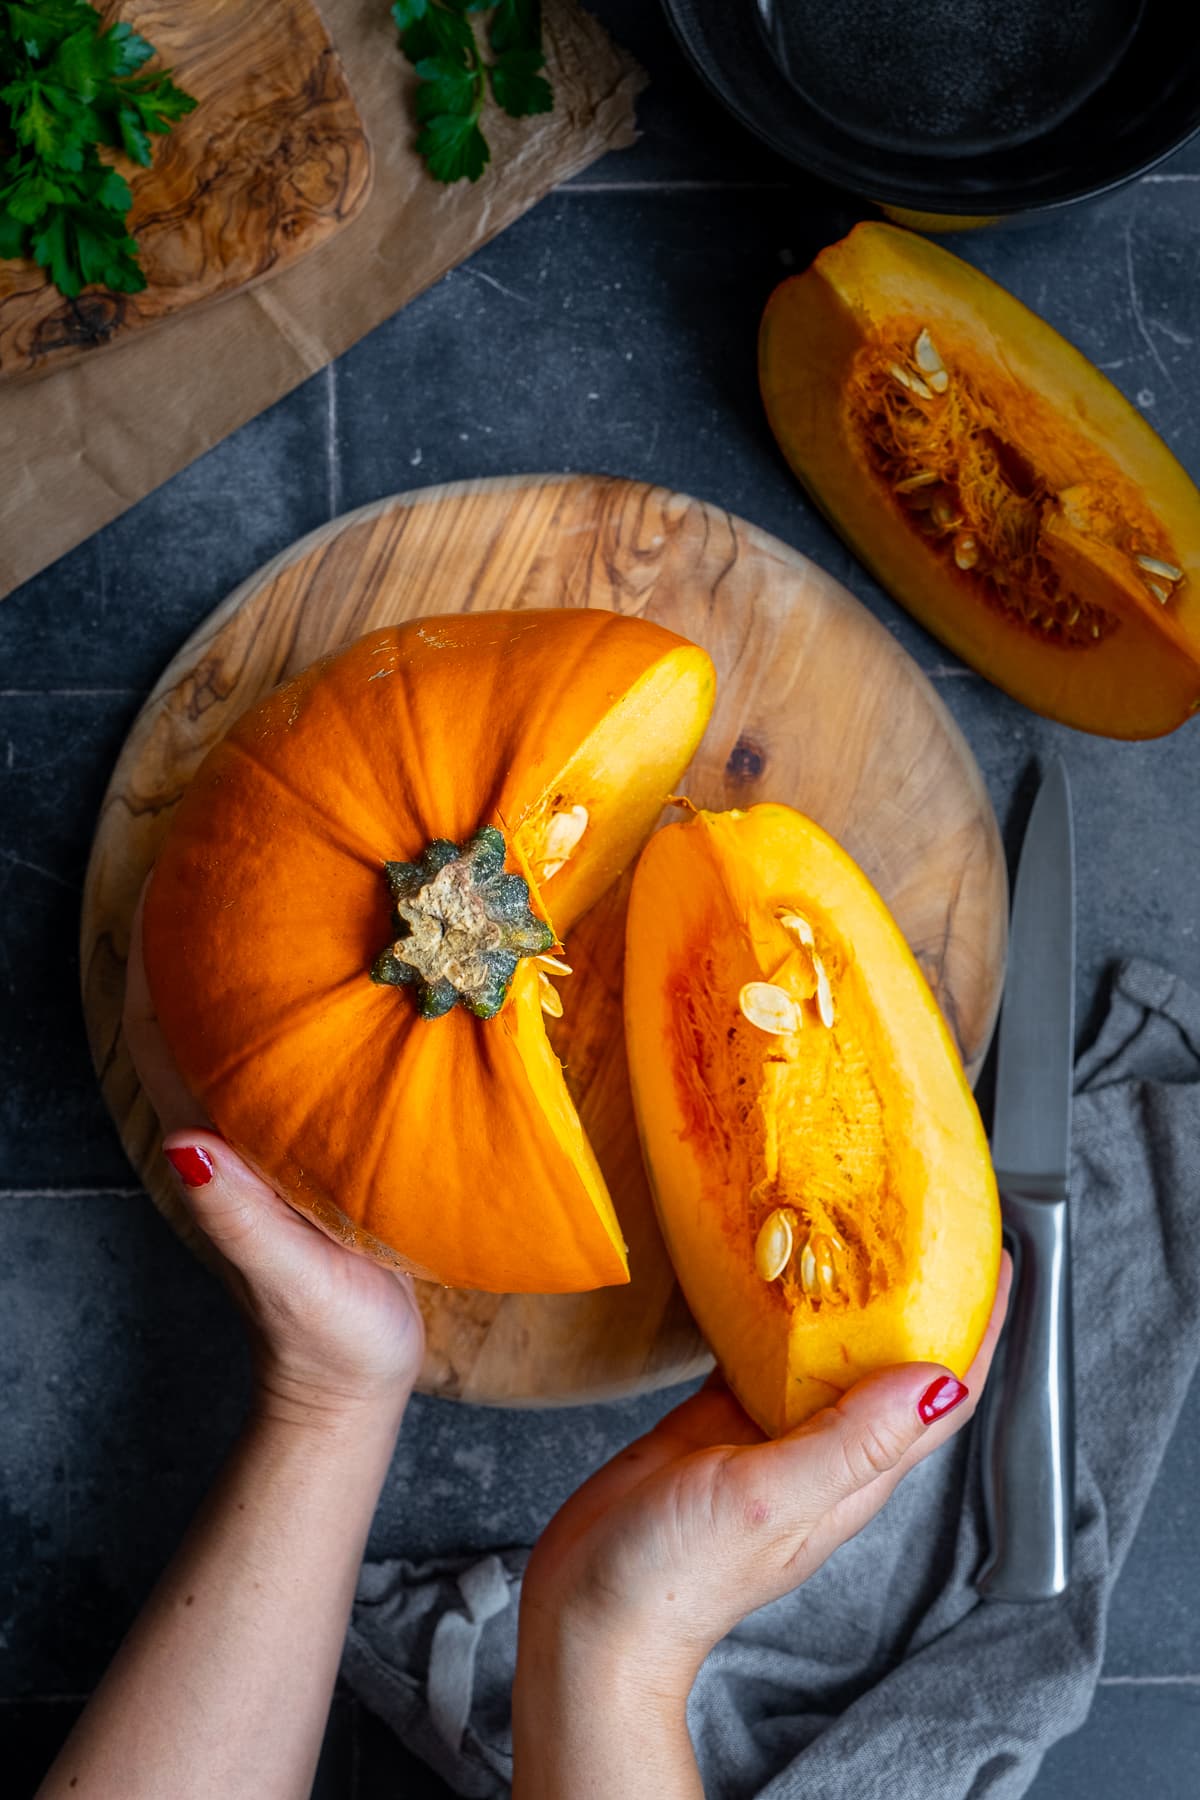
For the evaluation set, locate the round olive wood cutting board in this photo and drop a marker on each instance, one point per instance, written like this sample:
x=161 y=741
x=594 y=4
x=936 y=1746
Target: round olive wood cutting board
x=816 y=706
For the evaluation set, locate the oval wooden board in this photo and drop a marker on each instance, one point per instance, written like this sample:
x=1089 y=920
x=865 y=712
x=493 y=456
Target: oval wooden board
x=817 y=706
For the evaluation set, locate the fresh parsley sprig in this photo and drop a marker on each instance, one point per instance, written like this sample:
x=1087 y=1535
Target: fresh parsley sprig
x=438 y=37
x=70 y=85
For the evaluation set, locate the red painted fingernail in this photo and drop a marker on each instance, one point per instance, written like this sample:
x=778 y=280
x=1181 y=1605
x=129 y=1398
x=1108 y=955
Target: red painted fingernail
x=941 y=1397
x=193 y=1165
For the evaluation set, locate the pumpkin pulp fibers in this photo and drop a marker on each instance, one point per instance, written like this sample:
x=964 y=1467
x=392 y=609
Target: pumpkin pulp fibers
x=992 y=479
x=997 y=510
x=805 y=1127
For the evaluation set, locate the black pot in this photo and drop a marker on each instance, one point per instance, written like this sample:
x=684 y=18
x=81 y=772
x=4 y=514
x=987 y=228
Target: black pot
x=954 y=112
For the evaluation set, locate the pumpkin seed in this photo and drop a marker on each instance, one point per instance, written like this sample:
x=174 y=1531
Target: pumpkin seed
x=925 y=352
x=1154 y=565
x=769 y=1007
x=773 y=1245
x=908 y=380
x=944 y=514
x=824 y=994
x=808 y=1269
x=549 y=996
x=826 y=1257
x=922 y=478
x=939 y=381
x=966 y=550
x=1161 y=594
x=562 y=835
x=797 y=928
x=553 y=965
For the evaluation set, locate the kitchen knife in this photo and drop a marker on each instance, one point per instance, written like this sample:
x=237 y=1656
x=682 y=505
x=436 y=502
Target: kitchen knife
x=1028 y=1424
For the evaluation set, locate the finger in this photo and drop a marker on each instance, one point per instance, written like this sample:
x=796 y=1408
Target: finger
x=848 y=1517
x=153 y=1063
x=975 y=1377
x=839 y=1453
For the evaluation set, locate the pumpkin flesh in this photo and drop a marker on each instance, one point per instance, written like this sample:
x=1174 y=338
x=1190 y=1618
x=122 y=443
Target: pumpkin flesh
x=865 y=1134
x=447 y=1145
x=1019 y=506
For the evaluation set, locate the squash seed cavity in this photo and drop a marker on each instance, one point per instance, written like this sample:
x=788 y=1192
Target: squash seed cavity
x=937 y=435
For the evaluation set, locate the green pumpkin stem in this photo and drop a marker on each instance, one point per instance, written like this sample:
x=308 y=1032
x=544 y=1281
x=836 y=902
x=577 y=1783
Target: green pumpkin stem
x=462 y=922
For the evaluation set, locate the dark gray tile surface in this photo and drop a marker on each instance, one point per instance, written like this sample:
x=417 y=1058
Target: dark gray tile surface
x=611 y=329
x=1139 y=1739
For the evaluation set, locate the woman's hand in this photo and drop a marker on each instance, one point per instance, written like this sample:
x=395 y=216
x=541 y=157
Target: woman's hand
x=333 y=1331
x=701 y=1521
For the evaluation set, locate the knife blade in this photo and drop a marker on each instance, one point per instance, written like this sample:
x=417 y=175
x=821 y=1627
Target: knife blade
x=1028 y=1443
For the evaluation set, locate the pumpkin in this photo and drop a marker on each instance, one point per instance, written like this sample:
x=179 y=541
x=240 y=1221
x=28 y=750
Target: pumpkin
x=992 y=479
x=343 y=928
x=818 y=1164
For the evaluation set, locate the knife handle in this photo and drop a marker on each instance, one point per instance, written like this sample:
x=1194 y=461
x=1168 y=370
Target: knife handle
x=1028 y=1425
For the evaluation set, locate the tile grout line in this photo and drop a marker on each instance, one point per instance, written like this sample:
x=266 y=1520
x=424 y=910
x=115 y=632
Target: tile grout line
x=681 y=186
x=333 y=467
x=70 y=1193
x=1149 y=1681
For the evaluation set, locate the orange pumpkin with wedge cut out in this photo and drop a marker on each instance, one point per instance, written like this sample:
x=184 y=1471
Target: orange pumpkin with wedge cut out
x=343 y=927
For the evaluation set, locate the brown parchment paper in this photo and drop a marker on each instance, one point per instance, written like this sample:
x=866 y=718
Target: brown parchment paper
x=81 y=444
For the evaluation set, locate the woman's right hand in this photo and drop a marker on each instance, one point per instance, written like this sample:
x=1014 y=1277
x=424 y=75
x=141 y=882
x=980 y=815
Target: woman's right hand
x=336 y=1335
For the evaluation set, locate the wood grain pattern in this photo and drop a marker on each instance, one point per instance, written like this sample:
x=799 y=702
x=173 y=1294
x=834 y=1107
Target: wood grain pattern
x=817 y=706
x=272 y=161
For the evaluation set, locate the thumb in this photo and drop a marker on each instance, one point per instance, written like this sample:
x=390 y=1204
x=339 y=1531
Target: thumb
x=869 y=1433
x=233 y=1206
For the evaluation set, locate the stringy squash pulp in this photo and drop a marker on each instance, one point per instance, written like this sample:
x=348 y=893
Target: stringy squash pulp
x=992 y=479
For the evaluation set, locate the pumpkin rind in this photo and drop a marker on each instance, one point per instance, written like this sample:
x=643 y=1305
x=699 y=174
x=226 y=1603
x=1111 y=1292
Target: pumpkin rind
x=447 y=1145
x=1051 y=485
x=825 y=1192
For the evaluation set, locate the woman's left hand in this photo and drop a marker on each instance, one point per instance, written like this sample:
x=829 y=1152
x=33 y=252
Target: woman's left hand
x=333 y=1331
x=701 y=1521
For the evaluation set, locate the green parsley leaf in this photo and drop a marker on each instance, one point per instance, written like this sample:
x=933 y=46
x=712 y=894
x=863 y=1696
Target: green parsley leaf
x=130 y=50
x=12 y=232
x=454 y=148
x=438 y=38
x=447 y=86
x=517 y=25
x=68 y=84
x=518 y=87
x=26 y=198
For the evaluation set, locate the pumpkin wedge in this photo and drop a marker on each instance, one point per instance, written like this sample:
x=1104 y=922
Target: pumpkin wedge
x=343 y=927
x=816 y=1156
x=992 y=479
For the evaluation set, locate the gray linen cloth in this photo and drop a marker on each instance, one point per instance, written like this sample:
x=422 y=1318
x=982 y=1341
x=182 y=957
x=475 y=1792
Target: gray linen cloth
x=885 y=1677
